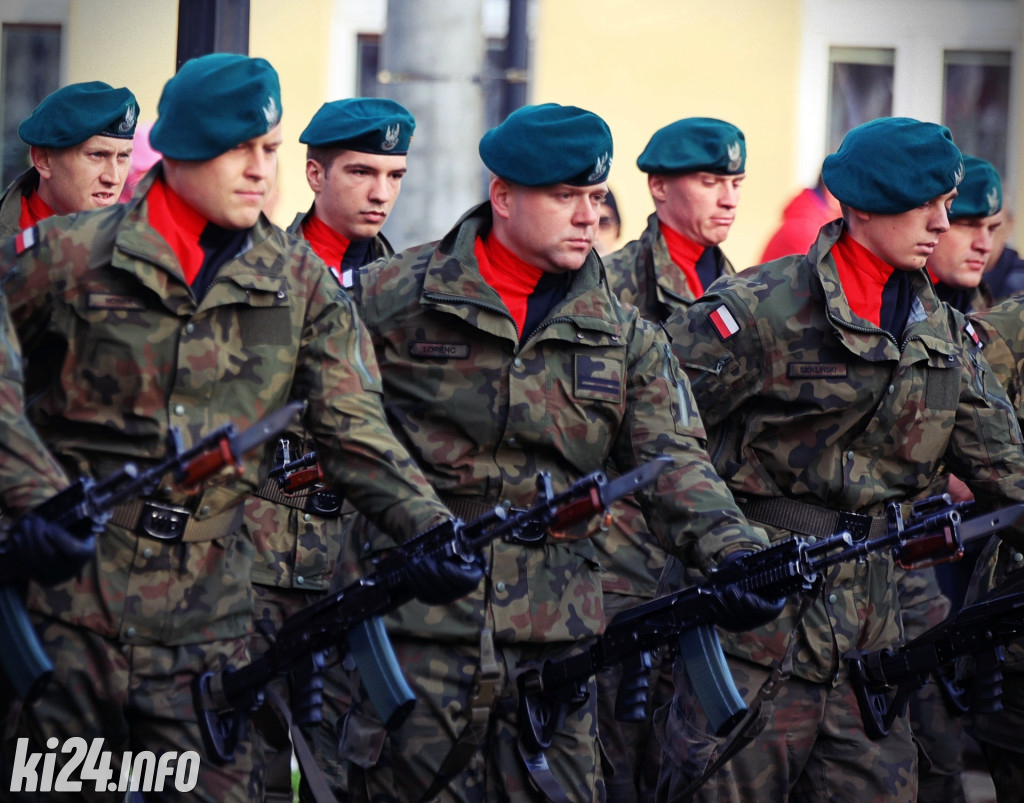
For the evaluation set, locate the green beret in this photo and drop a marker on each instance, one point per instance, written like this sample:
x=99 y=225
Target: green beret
x=980 y=194
x=214 y=103
x=696 y=144
x=892 y=165
x=549 y=144
x=367 y=125
x=76 y=112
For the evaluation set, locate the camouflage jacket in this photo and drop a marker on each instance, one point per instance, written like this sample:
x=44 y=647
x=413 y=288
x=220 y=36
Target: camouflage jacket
x=28 y=474
x=803 y=399
x=482 y=413
x=10 y=201
x=642 y=273
x=295 y=547
x=100 y=296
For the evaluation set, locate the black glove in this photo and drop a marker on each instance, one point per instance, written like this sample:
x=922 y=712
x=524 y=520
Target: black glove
x=439 y=580
x=738 y=610
x=40 y=550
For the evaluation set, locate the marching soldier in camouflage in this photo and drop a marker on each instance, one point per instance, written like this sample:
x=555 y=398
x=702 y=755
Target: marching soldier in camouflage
x=80 y=140
x=185 y=307
x=831 y=385
x=504 y=353
x=1000 y=330
x=695 y=167
x=355 y=161
x=956 y=267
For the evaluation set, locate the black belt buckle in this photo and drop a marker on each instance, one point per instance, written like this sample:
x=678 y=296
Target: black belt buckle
x=162 y=521
x=856 y=524
x=326 y=504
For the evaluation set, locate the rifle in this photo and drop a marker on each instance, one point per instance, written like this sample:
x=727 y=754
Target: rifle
x=984 y=627
x=354 y=613
x=933 y=531
x=90 y=502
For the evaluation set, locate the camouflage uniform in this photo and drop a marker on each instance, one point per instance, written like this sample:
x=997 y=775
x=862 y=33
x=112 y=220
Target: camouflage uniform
x=483 y=413
x=10 y=201
x=298 y=544
x=808 y=402
x=143 y=354
x=998 y=735
x=643 y=274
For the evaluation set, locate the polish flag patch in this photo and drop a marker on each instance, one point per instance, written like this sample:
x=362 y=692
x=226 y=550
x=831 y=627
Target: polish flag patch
x=724 y=323
x=973 y=334
x=25 y=240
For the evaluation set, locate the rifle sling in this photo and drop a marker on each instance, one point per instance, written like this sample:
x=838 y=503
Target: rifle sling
x=311 y=772
x=753 y=723
x=808 y=519
x=481 y=704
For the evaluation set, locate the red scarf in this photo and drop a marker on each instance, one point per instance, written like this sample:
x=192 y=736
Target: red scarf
x=863 y=276
x=179 y=224
x=512 y=278
x=325 y=242
x=685 y=253
x=33 y=209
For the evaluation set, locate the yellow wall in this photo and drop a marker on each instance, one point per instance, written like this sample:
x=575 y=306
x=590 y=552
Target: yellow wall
x=593 y=55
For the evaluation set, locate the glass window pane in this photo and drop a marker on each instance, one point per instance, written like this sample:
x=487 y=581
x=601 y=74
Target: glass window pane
x=976 y=103
x=367 y=64
x=31 y=67
x=860 y=90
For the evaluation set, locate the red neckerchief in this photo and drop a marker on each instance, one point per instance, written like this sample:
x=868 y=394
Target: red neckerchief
x=179 y=224
x=685 y=253
x=862 y=275
x=33 y=209
x=325 y=242
x=512 y=278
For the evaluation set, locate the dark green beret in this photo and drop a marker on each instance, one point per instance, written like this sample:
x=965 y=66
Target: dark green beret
x=549 y=144
x=980 y=194
x=892 y=165
x=695 y=144
x=214 y=103
x=367 y=125
x=76 y=112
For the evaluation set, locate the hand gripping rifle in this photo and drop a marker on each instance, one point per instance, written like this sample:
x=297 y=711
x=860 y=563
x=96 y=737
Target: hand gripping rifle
x=353 y=614
x=86 y=505
x=933 y=532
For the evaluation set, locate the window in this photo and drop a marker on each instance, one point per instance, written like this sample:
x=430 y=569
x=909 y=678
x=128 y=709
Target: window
x=976 y=103
x=31 y=66
x=367 y=64
x=860 y=89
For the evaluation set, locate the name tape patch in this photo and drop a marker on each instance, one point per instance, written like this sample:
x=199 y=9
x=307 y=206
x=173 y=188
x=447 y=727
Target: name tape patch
x=439 y=351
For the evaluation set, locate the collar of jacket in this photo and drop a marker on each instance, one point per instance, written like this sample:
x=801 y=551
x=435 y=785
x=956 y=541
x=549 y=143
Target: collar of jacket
x=452 y=275
x=668 y=276
x=139 y=249
x=381 y=246
x=928 y=320
x=10 y=201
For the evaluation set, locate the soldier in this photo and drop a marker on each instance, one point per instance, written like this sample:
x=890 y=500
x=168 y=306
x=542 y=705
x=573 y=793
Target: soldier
x=831 y=385
x=81 y=147
x=355 y=161
x=504 y=353
x=186 y=308
x=695 y=169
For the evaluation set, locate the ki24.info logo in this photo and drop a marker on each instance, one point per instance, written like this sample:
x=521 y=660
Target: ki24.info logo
x=91 y=764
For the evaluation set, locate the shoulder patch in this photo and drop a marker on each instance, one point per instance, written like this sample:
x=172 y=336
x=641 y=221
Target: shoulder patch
x=724 y=322
x=25 y=240
x=972 y=333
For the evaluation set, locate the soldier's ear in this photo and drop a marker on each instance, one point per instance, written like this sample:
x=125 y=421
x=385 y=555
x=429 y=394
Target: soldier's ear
x=656 y=184
x=41 y=161
x=315 y=173
x=501 y=197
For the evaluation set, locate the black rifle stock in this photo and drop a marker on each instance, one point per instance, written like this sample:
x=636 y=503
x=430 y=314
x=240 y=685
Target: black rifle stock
x=352 y=614
x=885 y=680
x=88 y=501
x=931 y=532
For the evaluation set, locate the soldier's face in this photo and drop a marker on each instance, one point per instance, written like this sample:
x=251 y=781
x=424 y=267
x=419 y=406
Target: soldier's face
x=231 y=189
x=86 y=176
x=960 y=258
x=701 y=206
x=905 y=241
x=355 y=195
x=553 y=227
